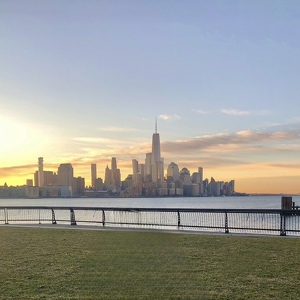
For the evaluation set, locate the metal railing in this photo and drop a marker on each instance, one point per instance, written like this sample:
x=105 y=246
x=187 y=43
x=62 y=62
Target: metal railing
x=261 y=221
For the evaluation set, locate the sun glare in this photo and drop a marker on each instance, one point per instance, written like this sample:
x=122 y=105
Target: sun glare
x=13 y=135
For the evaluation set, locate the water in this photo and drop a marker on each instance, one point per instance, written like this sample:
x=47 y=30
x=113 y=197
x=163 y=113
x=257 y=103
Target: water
x=246 y=202
x=208 y=221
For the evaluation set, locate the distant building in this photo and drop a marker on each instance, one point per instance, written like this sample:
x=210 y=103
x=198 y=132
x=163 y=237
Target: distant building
x=185 y=176
x=29 y=182
x=93 y=175
x=173 y=172
x=112 y=179
x=41 y=172
x=65 y=176
x=98 y=184
x=32 y=192
x=148 y=163
x=135 y=171
x=107 y=178
x=116 y=174
x=50 y=178
x=79 y=186
x=200 y=171
x=157 y=163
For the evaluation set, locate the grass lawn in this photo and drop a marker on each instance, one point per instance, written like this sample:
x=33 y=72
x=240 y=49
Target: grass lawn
x=40 y=263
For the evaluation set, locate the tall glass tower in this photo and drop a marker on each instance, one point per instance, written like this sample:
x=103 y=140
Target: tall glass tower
x=156 y=160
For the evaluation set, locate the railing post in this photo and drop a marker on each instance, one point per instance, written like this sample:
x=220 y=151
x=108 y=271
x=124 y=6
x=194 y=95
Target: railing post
x=73 y=220
x=282 y=224
x=178 y=221
x=53 y=216
x=226 y=223
x=6 y=216
x=103 y=217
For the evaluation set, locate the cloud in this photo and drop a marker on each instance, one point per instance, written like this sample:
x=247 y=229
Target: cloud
x=93 y=140
x=235 y=112
x=243 y=141
x=169 y=117
x=200 y=111
x=230 y=142
x=209 y=161
x=101 y=144
x=18 y=170
x=118 y=129
x=285 y=165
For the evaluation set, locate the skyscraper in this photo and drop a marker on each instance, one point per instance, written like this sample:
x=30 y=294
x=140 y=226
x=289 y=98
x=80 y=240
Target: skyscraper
x=112 y=179
x=157 y=169
x=115 y=173
x=148 y=164
x=65 y=176
x=113 y=164
x=155 y=146
x=173 y=171
x=200 y=171
x=41 y=171
x=93 y=175
x=135 y=171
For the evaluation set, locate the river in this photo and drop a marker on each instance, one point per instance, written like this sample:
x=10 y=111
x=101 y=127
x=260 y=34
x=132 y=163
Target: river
x=245 y=202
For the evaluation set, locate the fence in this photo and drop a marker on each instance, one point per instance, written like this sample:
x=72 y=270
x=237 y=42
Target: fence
x=259 y=221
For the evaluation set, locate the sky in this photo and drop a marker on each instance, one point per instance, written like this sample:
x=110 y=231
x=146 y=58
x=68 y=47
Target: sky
x=82 y=81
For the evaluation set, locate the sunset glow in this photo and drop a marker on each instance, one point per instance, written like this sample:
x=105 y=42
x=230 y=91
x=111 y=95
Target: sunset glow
x=82 y=83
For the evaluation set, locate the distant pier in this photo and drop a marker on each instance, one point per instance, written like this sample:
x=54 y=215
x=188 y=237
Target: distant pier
x=288 y=204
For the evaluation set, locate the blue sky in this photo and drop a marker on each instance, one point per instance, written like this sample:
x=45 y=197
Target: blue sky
x=82 y=81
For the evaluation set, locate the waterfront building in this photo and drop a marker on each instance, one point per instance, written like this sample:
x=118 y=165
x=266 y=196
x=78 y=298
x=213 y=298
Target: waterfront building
x=179 y=192
x=32 y=192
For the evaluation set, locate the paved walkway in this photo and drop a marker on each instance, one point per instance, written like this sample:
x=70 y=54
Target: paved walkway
x=101 y=228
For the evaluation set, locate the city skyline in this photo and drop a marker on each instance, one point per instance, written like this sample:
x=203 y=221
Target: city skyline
x=147 y=179
x=82 y=83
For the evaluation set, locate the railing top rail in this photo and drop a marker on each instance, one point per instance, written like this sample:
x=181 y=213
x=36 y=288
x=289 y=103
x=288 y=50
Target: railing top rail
x=163 y=209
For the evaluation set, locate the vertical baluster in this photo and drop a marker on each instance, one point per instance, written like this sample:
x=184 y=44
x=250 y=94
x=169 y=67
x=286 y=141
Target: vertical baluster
x=282 y=224
x=178 y=219
x=72 y=216
x=6 y=215
x=226 y=223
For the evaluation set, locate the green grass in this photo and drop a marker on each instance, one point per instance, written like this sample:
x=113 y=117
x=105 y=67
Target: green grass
x=39 y=263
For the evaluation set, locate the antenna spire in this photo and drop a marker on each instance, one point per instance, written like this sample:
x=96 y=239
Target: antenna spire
x=155 y=124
